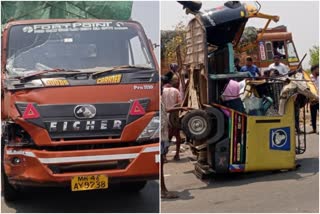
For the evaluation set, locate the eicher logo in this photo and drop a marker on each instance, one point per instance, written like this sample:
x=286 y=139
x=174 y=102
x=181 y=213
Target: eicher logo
x=85 y=125
x=85 y=111
x=86 y=122
x=280 y=138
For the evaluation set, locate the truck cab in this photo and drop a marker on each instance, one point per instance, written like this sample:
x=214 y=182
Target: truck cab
x=271 y=42
x=79 y=105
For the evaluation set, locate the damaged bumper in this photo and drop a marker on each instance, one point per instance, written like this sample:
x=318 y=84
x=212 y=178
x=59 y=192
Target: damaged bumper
x=31 y=167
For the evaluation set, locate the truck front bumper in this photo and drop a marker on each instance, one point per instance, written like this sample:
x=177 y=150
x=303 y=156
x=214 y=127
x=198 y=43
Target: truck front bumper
x=29 y=167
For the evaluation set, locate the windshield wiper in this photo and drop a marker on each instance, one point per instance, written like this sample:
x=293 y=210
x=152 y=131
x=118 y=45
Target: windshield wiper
x=119 y=68
x=38 y=73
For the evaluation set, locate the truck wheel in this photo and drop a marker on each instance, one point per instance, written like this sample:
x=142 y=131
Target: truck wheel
x=8 y=191
x=196 y=125
x=135 y=186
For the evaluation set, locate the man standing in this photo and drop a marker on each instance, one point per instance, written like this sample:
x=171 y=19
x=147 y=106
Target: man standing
x=250 y=67
x=164 y=149
x=170 y=97
x=277 y=65
x=164 y=144
x=314 y=107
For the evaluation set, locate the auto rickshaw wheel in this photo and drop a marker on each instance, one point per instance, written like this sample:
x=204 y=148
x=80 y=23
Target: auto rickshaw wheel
x=218 y=124
x=196 y=124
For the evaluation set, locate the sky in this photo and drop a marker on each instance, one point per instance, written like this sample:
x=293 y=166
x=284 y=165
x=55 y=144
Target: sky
x=148 y=14
x=300 y=17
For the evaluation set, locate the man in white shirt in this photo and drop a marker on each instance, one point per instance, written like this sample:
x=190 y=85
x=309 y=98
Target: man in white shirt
x=277 y=65
x=170 y=97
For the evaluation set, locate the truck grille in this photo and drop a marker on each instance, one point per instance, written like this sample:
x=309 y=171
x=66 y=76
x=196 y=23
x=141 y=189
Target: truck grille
x=74 y=121
x=89 y=167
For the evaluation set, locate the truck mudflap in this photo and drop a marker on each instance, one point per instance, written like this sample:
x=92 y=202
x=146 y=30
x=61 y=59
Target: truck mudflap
x=25 y=166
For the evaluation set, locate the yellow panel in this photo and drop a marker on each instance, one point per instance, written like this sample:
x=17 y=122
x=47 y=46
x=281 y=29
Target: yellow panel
x=259 y=156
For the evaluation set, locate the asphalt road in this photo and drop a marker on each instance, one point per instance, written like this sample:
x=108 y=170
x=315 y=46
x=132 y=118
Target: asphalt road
x=290 y=191
x=55 y=200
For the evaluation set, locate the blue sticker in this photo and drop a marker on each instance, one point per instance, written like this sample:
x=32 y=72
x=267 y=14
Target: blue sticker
x=280 y=138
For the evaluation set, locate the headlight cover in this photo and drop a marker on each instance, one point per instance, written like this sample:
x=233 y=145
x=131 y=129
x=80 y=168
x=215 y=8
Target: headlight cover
x=151 y=131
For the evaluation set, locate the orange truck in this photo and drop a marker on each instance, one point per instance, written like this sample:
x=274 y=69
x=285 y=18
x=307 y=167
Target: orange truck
x=271 y=42
x=79 y=105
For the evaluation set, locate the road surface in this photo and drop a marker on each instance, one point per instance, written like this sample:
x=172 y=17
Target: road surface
x=293 y=191
x=62 y=200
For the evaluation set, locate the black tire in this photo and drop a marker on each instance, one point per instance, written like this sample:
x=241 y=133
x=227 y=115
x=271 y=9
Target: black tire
x=197 y=125
x=9 y=192
x=218 y=123
x=135 y=186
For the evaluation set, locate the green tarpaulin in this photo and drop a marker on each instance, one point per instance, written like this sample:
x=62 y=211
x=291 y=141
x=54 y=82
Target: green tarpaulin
x=20 y=10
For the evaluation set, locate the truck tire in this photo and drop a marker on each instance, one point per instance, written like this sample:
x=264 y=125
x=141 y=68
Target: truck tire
x=8 y=191
x=135 y=186
x=196 y=124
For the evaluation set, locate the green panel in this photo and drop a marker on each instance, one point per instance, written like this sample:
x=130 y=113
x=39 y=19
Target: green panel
x=20 y=10
x=231 y=58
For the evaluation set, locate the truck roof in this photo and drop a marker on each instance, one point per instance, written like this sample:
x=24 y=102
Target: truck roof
x=277 y=36
x=279 y=29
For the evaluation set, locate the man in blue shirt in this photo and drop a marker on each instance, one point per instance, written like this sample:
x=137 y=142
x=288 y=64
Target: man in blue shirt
x=250 y=67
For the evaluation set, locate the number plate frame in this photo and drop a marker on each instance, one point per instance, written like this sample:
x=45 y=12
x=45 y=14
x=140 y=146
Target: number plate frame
x=89 y=182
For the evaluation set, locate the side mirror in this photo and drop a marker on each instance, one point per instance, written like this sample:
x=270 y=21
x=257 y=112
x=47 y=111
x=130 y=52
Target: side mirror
x=154 y=45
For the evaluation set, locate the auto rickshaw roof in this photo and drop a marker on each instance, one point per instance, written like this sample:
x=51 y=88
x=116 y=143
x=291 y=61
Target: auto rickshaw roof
x=225 y=24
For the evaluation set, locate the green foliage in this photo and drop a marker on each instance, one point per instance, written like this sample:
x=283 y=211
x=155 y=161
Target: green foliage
x=170 y=40
x=314 y=55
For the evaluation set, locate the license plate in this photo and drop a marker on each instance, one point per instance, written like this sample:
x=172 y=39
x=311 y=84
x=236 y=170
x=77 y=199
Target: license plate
x=82 y=183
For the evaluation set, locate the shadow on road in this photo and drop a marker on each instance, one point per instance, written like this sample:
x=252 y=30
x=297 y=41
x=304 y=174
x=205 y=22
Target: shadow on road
x=309 y=167
x=62 y=200
x=183 y=195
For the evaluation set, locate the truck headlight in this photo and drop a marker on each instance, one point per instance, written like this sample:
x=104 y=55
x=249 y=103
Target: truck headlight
x=151 y=131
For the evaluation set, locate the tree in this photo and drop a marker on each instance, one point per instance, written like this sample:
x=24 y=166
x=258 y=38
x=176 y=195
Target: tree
x=314 y=55
x=170 y=40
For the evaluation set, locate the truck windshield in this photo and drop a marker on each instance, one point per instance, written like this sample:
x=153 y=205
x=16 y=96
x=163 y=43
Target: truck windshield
x=76 y=46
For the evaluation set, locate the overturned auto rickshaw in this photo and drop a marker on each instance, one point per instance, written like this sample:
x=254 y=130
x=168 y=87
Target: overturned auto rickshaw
x=225 y=140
